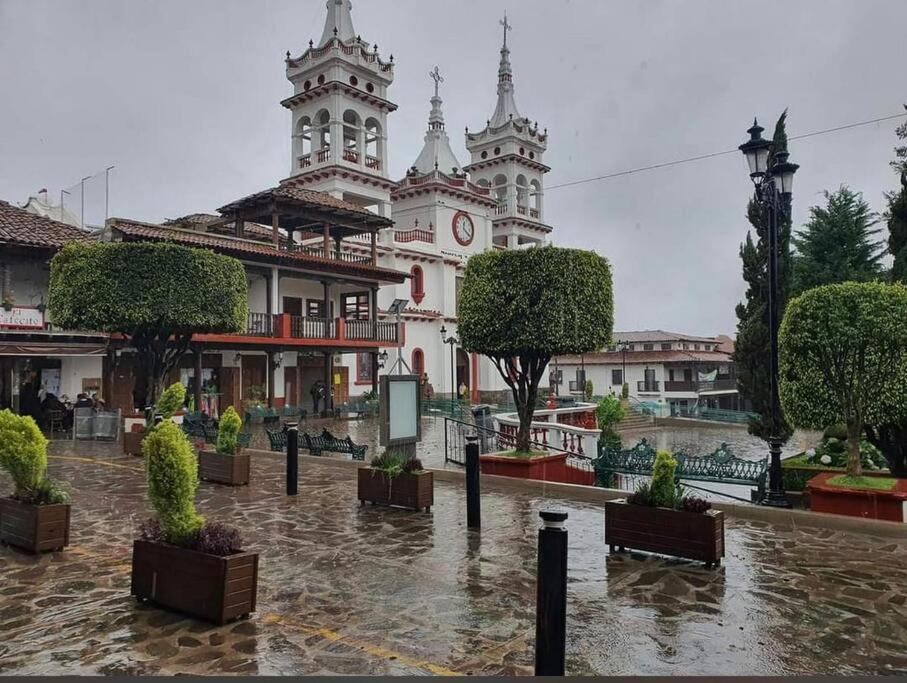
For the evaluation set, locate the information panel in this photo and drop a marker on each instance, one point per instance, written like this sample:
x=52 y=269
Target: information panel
x=400 y=410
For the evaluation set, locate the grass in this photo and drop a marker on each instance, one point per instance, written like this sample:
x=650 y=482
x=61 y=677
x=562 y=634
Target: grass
x=875 y=483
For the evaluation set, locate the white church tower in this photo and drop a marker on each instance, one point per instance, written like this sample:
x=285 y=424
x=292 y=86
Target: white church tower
x=340 y=107
x=507 y=158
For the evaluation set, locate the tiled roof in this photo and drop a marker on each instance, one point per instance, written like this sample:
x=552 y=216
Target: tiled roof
x=638 y=357
x=18 y=226
x=199 y=221
x=658 y=336
x=307 y=197
x=251 y=249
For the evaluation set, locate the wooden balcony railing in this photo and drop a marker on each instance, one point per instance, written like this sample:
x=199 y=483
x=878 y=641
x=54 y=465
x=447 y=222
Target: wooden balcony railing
x=414 y=235
x=682 y=385
x=286 y=326
x=647 y=387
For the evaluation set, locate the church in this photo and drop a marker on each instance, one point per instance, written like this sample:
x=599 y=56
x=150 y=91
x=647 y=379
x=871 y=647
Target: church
x=443 y=211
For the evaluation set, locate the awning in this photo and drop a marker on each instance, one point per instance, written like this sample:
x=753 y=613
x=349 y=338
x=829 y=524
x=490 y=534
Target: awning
x=56 y=350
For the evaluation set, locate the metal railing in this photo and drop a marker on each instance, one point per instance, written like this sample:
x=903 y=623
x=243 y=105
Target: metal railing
x=721 y=384
x=650 y=387
x=682 y=385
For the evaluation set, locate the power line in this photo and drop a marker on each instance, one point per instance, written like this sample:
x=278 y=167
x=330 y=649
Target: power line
x=700 y=157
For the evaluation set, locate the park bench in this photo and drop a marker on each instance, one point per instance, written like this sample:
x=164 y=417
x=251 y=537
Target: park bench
x=327 y=442
x=277 y=438
x=721 y=466
x=357 y=408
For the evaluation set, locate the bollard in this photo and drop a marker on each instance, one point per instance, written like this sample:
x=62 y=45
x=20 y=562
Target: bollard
x=473 y=497
x=158 y=419
x=292 y=459
x=551 y=600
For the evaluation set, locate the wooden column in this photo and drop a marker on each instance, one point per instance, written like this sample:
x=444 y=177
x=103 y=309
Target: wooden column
x=328 y=380
x=374 y=357
x=271 y=378
x=337 y=241
x=327 y=241
x=275 y=220
x=239 y=226
x=197 y=393
x=374 y=247
x=373 y=312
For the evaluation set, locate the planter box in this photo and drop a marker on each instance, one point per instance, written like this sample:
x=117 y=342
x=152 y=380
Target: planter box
x=35 y=528
x=224 y=469
x=872 y=504
x=541 y=467
x=693 y=535
x=209 y=587
x=414 y=491
x=132 y=442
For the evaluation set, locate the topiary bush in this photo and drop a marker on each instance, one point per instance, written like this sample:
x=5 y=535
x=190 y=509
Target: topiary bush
x=609 y=412
x=171 y=400
x=663 y=488
x=23 y=453
x=625 y=391
x=228 y=431
x=172 y=470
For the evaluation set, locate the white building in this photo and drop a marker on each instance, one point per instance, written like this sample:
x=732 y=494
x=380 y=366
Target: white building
x=670 y=370
x=443 y=211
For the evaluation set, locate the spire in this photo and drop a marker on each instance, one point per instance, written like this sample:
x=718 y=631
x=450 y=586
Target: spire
x=436 y=153
x=506 y=107
x=338 y=22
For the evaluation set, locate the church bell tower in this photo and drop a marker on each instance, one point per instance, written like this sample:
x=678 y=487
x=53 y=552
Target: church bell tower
x=339 y=112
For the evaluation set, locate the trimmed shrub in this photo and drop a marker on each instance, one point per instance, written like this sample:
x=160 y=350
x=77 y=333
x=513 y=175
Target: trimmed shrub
x=608 y=413
x=228 y=431
x=171 y=400
x=663 y=488
x=23 y=451
x=172 y=469
x=625 y=391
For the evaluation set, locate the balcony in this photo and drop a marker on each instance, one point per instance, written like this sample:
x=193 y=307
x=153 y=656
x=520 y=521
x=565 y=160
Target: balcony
x=683 y=385
x=648 y=387
x=332 y=254
x=289 y=327
x=350 y=156
x=720 y=385
x=414 y=235
x=372 y=162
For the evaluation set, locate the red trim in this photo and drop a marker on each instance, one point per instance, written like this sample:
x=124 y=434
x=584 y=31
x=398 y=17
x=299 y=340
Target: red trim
x=453 y=227
x=417 y=284
x=275 y=341
x=475 y=378
x=421 y=364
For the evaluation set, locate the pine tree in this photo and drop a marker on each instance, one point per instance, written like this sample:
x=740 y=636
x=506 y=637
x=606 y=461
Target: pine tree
x=896 y=215
x=752 y=352
x=837 y=243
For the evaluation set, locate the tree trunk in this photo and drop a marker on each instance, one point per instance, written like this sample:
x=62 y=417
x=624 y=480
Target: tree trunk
x=892 y=441
x=854 y=464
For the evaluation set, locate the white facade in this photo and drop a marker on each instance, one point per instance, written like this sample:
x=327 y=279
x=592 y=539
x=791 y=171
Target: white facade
x=442 y=215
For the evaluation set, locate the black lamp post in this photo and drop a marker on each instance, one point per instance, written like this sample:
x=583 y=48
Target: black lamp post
x=452 y=341
x=623 y=346
x=773 y=196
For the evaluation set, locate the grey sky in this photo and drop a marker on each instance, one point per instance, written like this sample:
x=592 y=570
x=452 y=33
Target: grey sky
x=183 y=96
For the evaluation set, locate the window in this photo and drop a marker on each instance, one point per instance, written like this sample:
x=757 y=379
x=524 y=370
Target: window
x=685 y=346
x=418 y=364
x=363 y=367
x=695 y=347
x=458 y=286
x=708 y=347
x=666 y=347
x=292 y=305
x=632 y=347
x=417 y=284
x=314 y=308
x=671 y=375
x=648 y=347
x=617 y=377
x=355 y=306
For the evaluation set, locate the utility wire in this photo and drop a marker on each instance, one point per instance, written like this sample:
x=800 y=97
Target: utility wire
x=700 y=157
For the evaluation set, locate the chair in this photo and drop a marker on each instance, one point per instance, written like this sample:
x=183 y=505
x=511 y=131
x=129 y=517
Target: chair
x=56 y=421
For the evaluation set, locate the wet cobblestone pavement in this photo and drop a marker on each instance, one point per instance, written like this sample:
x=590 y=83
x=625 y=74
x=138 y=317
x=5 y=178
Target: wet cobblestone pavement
x=370 y=590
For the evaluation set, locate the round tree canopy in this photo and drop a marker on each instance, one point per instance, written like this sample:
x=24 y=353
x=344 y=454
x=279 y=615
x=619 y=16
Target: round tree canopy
x=537 y=301
x=126 y=287
x=843 y=352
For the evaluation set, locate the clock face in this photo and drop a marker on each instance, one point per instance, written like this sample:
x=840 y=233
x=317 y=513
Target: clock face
x=463 y=228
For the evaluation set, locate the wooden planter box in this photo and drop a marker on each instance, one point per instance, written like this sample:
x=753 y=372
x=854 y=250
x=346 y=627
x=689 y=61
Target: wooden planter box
x=35 y=528
x=414 y=491
x=693 y=535
x=872 y=504
x=209 y=587
x=132 y=442
x=541 y=467
x=224 y=469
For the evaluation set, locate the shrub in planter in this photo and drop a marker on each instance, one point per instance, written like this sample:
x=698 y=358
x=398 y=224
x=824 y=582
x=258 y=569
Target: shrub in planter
x=394 y=479
x=660 y=518
x=180 y=561
x=227 y=464
x=36 y=516
x=169 y=402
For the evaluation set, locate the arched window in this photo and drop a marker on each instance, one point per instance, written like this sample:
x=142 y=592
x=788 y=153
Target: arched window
x=522 y=191
x=372 y=143
x=323 y=120
x=418 y=364
x=351 y=136
x=535 y=198
x=417 y=284
x=500 y=189
x=303 y=141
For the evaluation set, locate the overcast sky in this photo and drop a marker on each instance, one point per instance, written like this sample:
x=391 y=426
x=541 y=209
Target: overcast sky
x=183 y=97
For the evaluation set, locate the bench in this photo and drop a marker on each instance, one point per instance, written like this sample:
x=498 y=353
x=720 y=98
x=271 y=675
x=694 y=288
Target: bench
x=277 y=439
x=327 y=442
x=721 y=465
x=357 y=408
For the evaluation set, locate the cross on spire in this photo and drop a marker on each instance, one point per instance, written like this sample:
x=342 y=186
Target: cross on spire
x=507 y=27
x=436 y=76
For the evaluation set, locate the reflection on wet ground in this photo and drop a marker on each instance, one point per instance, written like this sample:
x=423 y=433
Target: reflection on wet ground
x=345 y=589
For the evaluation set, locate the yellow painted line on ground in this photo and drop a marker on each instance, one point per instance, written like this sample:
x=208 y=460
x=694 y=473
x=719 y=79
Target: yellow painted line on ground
x=95 y=461
x=374 y=650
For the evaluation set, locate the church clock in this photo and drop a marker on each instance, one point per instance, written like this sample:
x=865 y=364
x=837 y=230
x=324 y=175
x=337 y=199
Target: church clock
x=463 y=229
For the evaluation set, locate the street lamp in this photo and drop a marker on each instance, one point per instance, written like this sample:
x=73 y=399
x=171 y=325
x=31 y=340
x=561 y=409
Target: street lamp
x=452 y=341
x=623 y=346
x=773 y=177
x=382 y=359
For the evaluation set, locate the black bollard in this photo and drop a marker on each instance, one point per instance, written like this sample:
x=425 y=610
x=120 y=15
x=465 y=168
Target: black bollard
x=292 y=459
x=551 y=600
x=158 y=419
x=473 y=497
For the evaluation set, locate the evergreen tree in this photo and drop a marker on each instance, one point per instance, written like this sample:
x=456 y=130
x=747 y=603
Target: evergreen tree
x=896 y=215
x=837 y=244
x=752 y=352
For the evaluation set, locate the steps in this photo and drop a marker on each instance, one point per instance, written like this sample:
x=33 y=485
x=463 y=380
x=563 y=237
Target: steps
x=634 y=420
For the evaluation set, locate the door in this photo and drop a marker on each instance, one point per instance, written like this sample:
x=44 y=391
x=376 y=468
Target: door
x=341 y=380
x=462 y=371
x=254 y=378
x=291 y=386
x=292 y=305
x=687 y=374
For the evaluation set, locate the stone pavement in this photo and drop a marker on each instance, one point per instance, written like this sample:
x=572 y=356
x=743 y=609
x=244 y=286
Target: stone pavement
x=350 y=590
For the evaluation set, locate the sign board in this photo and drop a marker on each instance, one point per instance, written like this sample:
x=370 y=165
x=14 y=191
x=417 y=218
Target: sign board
x=22 y=318
x=400 y=409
